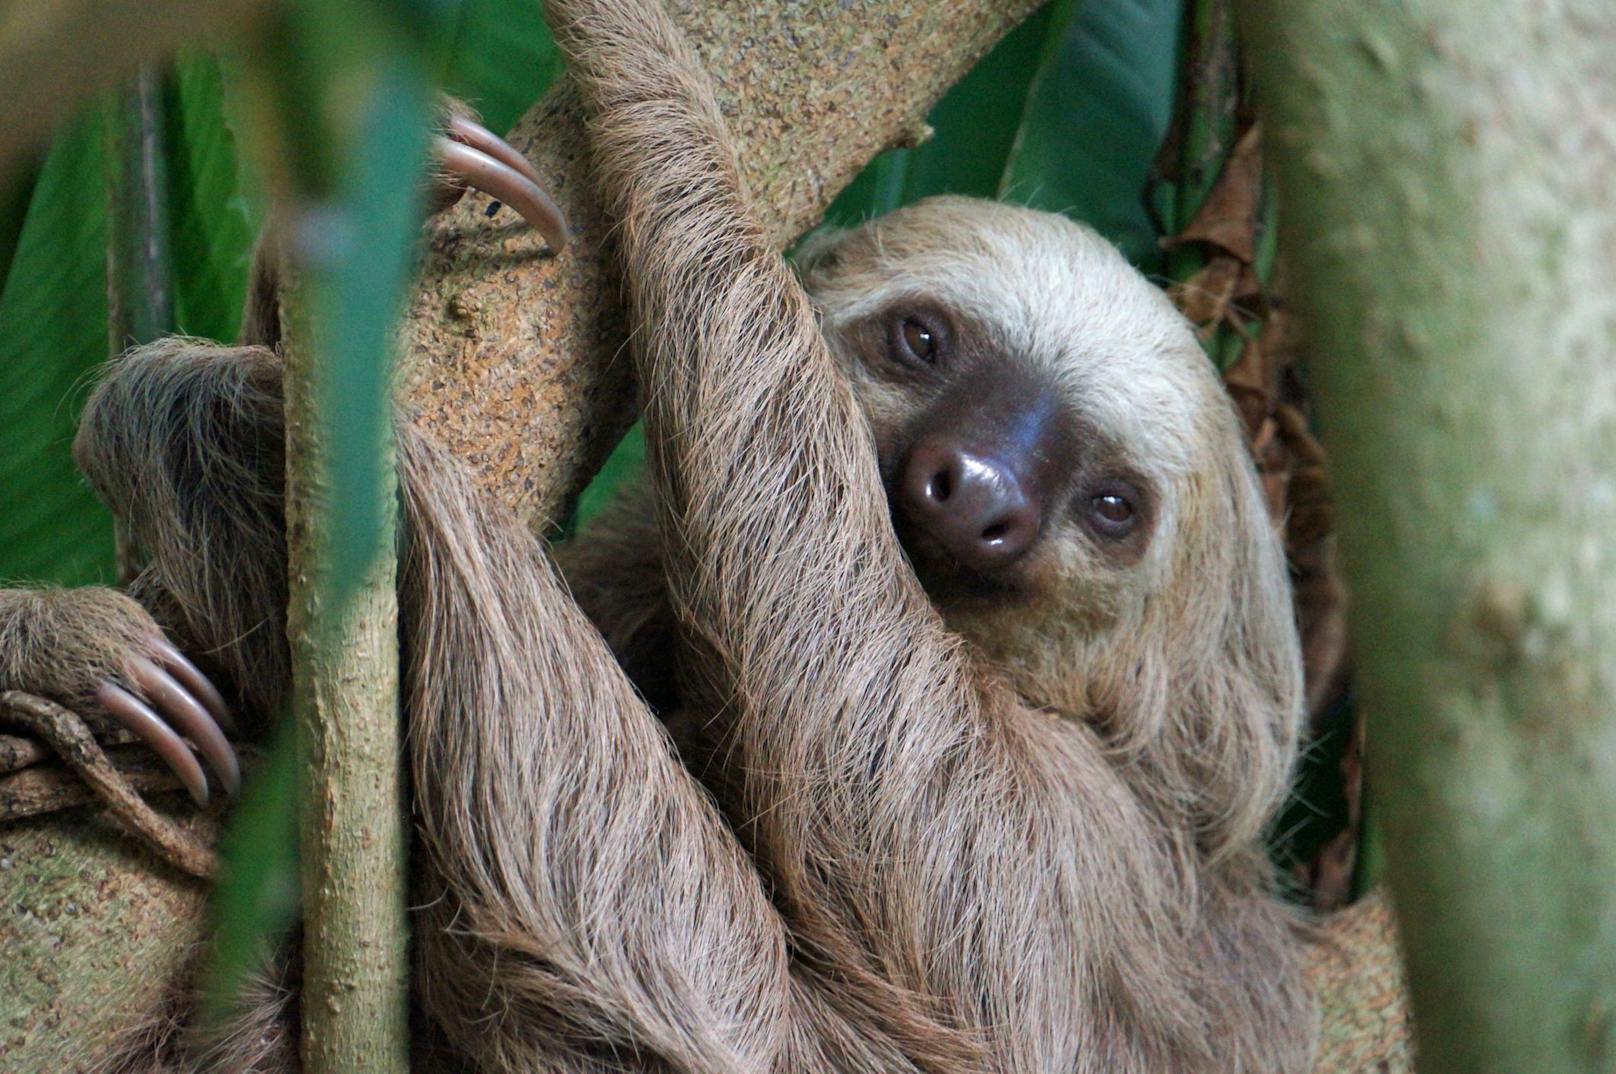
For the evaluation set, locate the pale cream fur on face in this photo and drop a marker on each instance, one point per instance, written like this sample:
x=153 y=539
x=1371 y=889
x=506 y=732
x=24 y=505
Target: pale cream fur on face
x=1055 y=294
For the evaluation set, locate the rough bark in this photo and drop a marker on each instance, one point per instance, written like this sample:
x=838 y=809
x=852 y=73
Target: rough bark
x=345 y=703
x=1447 y=173
x=517 y=360
x=1357 y=972
x=95 y=930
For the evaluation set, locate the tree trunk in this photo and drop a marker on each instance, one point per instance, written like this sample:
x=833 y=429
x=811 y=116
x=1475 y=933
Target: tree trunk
x=516 y=360
x=1448 y=175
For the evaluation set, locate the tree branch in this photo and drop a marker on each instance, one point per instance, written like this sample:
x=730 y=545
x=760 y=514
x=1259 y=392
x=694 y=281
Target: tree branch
x=516 y=361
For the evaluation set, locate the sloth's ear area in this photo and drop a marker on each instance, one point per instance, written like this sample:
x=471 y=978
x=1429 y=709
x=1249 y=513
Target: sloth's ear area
x=818 y=256
x=468 y=156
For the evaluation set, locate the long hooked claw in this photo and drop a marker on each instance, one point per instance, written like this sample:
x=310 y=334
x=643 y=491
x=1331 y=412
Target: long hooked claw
x=470 y=132
x=187 y=715
x=494 y=177
x=147 y=726
x=199 y=685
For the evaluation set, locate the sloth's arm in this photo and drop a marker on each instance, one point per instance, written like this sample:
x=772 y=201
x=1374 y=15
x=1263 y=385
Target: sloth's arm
x=583 y=882
x=916 y=823
x=582 y=895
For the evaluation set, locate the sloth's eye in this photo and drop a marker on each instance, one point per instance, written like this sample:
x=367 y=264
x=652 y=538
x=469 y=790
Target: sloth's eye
x=919 y=340
x=1111 y=513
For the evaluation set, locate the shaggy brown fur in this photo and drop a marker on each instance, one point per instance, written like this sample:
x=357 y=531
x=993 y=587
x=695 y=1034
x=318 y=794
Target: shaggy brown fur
x=935 y=836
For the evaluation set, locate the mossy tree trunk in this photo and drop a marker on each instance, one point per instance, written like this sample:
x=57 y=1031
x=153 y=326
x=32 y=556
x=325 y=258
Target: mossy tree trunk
x=1448 y=182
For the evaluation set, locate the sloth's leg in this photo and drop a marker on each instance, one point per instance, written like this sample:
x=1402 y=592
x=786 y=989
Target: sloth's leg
x=181 y=441
x=99 y=653
x=465 y=156
x=586 y=906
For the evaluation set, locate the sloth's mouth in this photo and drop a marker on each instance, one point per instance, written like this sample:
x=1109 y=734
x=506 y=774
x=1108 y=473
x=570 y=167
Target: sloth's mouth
x=950 y=583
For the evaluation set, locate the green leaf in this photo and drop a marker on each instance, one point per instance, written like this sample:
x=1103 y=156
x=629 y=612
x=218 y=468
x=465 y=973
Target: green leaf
x=1095 y=123
x=53 y=317
x=626 y=460
x=214 y=223
x=357 y=273
x=1066 y=113
x=256 y=899
x=980 y=120
x=15 y=194
x=500 y=59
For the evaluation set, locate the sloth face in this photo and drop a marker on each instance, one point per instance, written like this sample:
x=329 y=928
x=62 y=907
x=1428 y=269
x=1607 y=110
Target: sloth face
x=1048 y=431
x=989 y=468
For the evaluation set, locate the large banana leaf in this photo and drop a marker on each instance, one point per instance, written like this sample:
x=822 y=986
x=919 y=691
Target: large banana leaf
x=500 y=59
x=53 y=331
x=1095 y=120
x=214 y=221
x=53 y=315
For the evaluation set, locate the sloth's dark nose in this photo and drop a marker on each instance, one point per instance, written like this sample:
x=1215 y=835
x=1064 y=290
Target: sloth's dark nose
x=972 y=505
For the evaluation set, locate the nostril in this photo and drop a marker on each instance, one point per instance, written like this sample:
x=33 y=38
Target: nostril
x=971 y=509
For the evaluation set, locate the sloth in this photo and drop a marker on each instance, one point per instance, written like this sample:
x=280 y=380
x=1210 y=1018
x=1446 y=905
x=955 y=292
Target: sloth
x=924 y=709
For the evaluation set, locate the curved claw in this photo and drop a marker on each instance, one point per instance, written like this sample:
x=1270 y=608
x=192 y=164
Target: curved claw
x=186 y=714
x=198 y=684
x=470 y=132
x=147 y=726
x=499 y=180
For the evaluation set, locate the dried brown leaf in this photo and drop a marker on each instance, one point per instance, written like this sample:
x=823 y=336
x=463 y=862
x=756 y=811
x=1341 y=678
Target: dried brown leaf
x=1229 y=218
x=1203 y=297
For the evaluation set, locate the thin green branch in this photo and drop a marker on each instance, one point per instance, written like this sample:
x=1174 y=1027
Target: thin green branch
x=341 y=106
x=140 y=277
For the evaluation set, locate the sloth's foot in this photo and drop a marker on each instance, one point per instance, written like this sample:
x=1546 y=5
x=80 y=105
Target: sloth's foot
x=177 y=712
x=471 y=157
x=97 y=652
